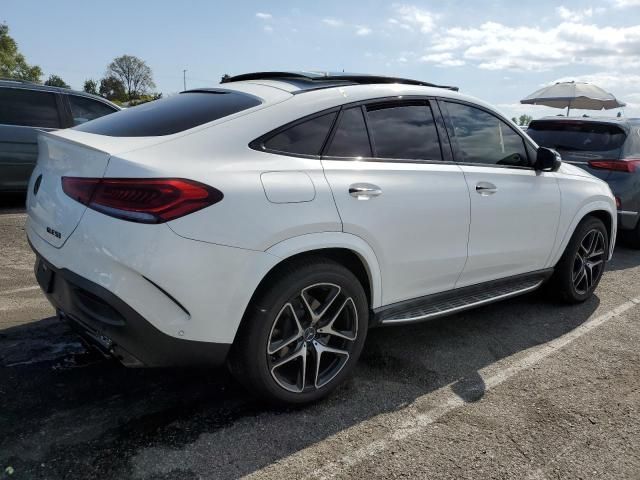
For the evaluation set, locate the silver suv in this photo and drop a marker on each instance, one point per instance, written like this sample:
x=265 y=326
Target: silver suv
x=27 y=108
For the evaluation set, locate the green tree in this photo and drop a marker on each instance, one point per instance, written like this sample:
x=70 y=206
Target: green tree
x=56 y=81
x=525 y=120
x=12 y=62
x=144 y=99
x=90 y=86
x=112 y=89
x=134 y=74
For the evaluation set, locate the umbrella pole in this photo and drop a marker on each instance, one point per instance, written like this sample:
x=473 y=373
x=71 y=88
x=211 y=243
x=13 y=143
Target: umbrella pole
x=568 y=108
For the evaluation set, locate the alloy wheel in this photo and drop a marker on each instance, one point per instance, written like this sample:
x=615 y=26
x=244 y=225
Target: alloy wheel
x=312 y=338
x=588 y=263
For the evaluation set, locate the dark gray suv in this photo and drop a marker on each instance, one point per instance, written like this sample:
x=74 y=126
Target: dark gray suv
x=25 y=109
x=608 y=148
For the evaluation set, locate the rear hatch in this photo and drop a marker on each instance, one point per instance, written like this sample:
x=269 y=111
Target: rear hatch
x=85 y=150
x=581 y=142
x=53 y=215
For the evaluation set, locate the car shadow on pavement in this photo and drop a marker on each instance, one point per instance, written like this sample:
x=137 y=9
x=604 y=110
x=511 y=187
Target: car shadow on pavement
x=68 y=412
x=624 y=257
x=12 y=202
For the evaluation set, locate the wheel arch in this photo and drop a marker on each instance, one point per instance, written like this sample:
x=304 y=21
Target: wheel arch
x=347 y=249
x=602 y=211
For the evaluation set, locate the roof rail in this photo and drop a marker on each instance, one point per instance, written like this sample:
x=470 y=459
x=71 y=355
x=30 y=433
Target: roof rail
x=318 y=78
x=17 y=80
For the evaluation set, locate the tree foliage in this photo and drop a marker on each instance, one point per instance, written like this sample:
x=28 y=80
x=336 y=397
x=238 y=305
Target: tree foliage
x=90 y=86
x=112 y=89
x=145 y=98
x=56 y=81
x=12 y=62
x=133 y=73
x=523 y=120
x=225 y=77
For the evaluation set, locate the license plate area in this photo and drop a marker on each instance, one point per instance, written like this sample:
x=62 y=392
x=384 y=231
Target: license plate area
x=44 y=276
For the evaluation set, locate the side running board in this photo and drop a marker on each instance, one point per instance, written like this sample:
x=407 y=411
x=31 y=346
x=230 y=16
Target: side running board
x=459 y=299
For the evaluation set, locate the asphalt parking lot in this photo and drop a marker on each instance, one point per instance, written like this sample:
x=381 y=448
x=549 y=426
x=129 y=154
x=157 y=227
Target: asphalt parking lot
x=523 y=389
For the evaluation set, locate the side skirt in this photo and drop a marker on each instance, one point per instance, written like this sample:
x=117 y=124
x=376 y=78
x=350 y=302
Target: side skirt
x=459 y=299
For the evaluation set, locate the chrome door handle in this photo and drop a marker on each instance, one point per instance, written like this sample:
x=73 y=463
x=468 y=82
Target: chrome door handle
x=486 y=188
x=364 y=191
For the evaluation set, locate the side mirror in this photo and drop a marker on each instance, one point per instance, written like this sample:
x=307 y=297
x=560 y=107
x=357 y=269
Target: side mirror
x=547 y=160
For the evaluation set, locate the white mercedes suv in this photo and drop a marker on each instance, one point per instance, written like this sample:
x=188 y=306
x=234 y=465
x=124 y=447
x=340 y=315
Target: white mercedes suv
x=269 y=223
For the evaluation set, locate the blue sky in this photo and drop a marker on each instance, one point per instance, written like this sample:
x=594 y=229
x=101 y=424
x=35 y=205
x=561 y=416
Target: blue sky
x=499 y=51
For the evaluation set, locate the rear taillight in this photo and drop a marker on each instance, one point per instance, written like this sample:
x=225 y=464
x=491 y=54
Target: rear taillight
x=143 y=200
x=628 y=165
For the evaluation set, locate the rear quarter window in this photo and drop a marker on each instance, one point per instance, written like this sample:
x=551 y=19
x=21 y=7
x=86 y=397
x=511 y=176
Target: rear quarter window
x=86 y=109
x=171 y=115
x=306 y=138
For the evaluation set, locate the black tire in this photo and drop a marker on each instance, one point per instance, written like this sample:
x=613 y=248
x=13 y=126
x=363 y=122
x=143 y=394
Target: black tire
x=270 y=322
x=564 y=284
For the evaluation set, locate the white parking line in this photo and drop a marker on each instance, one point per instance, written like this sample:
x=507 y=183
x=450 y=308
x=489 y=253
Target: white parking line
x=449 y=401
x=19 y=290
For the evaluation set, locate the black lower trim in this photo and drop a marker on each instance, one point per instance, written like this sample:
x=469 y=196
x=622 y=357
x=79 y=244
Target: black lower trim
x=458 y=299
x=109 y=324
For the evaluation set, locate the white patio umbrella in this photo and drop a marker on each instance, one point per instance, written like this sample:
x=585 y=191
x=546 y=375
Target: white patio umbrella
x=573 y=95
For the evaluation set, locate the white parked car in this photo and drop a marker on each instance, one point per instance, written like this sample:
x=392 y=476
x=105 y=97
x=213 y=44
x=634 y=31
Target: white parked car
x=270 y=222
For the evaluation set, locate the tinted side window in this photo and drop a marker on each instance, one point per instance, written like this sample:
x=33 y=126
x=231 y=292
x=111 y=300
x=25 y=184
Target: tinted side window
x=404 y=131
x=484 y=138
x=350 y=138
x=304 y=138
x=84 y=109
x=171 y=115
x=29 y=108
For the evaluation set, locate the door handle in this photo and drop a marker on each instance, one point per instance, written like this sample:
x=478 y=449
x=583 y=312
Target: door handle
x=364 y=191
x=485 y=188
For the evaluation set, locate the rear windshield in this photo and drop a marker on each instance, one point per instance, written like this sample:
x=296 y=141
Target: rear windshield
x=578 y=136
x=171 y=115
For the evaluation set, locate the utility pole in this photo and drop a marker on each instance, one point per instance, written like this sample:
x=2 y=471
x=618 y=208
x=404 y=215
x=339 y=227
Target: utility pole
x=184 y=78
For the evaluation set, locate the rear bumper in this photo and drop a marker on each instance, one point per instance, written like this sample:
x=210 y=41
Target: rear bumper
x=108 y=323
x=627 y=219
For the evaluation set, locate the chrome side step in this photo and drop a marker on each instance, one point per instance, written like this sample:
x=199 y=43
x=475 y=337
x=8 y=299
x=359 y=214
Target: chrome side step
x=439 y=305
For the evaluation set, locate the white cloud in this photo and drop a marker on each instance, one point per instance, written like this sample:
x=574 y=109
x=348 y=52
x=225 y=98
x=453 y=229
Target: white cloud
x=268 y=28
x=360 y=30
x=333 y=22
x=395 y=22
x=413 y=17
x=614 y=82
x=574 y=15
x=264 y=16
x=626 y=3
x=445 y=59
x=494 y=46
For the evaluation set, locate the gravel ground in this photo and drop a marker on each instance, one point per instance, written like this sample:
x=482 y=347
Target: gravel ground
x=522 y=389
